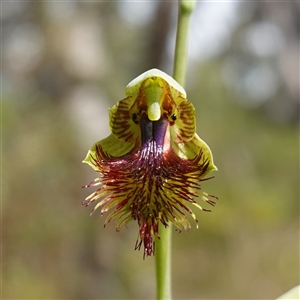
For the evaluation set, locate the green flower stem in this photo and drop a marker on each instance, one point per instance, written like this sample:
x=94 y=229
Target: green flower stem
x=163 y=245
x=185 y=10
x=163 y=263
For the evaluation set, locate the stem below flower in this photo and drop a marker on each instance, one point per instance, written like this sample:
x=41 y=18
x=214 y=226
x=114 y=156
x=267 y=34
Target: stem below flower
x=163 y=263
x=163 y=245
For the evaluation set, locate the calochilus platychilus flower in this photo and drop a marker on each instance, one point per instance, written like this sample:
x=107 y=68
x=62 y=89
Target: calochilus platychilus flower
x=151 y=165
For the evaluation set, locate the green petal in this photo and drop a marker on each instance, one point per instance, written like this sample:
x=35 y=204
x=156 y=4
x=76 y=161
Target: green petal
x=120 y=120
x=190 y=149
x=185 y=127
x=111 y=145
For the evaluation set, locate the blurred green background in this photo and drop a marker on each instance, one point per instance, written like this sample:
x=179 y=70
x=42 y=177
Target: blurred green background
x=65 y=63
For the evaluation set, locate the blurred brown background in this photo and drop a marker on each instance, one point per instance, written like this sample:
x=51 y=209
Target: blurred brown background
x=65 y=63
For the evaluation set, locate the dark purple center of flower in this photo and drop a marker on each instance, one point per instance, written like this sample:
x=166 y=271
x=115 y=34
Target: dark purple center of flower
x=153 y=130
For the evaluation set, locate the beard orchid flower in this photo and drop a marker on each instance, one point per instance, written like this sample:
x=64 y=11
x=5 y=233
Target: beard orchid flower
x=151 y=164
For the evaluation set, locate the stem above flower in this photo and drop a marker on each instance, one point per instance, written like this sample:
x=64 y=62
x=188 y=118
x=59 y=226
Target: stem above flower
x=181 y=48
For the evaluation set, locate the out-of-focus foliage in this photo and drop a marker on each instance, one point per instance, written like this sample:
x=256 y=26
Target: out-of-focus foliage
x=65 y=63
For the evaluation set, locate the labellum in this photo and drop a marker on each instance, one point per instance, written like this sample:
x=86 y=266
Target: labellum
x=151 y=166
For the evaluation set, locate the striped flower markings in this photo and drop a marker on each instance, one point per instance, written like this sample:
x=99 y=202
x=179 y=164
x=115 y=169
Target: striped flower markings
x=151 y=165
